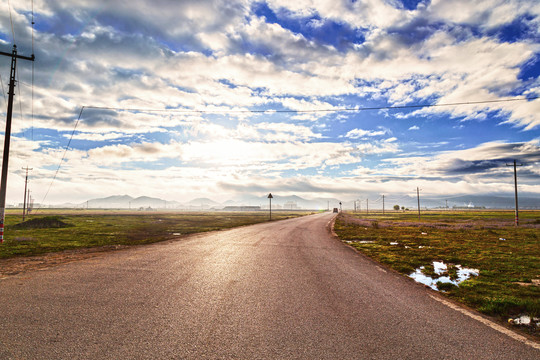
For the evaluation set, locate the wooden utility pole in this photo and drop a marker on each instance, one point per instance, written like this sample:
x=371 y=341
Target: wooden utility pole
x=25 y=187
x=7 y=136
x=383 y=204
x=516 y=191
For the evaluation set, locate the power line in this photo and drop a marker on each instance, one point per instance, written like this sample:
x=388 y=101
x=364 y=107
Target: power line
x=356 y=109
x=3 y=90
x=20 y=99
x=11 y=21
x=32 y=104
x=32 y=71
x=63 y=157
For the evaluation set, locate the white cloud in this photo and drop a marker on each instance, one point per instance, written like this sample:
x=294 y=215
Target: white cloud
x=217 y=56
x=360 y=133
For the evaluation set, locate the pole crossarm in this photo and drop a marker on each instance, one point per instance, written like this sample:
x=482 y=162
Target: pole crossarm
x=31 y=58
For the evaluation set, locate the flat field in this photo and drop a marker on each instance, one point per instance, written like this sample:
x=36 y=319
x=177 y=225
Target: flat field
x=59 y=230
x=504 y=260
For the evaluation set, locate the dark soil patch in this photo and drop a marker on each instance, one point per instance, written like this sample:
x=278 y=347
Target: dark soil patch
x=46 y=222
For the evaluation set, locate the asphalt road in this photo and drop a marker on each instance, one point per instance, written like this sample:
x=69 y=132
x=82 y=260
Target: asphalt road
x=281 y=290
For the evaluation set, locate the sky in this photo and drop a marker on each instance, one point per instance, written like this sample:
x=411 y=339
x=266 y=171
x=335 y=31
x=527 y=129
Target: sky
x=223 y=99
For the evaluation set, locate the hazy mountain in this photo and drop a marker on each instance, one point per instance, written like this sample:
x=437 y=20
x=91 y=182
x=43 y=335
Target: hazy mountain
x=126 y=201
x=115 y=201
x=203 y=201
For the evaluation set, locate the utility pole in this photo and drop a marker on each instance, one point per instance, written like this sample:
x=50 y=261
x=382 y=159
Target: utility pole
x=25 y=187
x=516 y=190
x=446 y=204
x=355 y=206
x=383 y=204
x=7 y=136
x=367 y=206
x=418 y=196
x=270 y=197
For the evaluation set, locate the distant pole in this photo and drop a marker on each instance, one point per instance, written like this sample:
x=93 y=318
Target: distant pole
x=270 y=198
x=383 y=204
x=28 y=207
x=418 y=196
x=355 y=206
x=516 y=191
x=446 y=204
x=367 y=206
x=25 y=187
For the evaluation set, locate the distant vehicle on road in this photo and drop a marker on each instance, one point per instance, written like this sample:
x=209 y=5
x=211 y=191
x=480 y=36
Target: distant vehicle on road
x=335 y=210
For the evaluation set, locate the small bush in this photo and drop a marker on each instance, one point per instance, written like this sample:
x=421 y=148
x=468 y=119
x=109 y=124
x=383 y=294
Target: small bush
x=41 y=223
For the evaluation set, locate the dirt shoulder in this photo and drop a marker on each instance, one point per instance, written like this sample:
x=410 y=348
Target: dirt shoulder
x=19 y=265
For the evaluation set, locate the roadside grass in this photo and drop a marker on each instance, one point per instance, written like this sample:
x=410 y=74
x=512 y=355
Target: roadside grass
x=508 y=258
x=58 y=230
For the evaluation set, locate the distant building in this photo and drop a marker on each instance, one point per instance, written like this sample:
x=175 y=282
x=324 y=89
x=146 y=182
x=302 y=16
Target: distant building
x=242 y=208
x=274 y=207
x=291 y=205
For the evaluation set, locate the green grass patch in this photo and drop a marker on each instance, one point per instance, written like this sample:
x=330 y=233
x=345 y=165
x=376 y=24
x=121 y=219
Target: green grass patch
x=507 y=257
x=54 y=231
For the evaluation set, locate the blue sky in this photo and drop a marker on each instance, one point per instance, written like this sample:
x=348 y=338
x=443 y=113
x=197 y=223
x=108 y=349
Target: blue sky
x=204 y=65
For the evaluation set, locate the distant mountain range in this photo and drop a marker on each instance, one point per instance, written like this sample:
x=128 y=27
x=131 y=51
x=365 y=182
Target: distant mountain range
x=127 y=202
x=297 y=202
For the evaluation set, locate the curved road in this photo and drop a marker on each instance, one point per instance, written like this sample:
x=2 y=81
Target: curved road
x=280 y=290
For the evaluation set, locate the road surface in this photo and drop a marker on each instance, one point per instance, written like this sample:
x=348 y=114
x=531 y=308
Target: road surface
x=280 y=290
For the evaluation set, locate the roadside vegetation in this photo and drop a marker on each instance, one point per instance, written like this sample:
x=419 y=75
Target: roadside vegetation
x=55 y=230
x=507 y=258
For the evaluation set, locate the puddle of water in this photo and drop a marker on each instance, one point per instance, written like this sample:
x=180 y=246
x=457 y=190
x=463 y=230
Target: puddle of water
x=360 y=242
x=177 y=234
x=440 y=269
x=394 y=243
x=525 y=320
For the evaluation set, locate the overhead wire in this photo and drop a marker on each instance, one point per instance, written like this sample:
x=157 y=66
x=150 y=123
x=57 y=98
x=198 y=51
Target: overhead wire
x=32 y=104
x=61 y=161
x=11 y=21
x=20 y=98
x=355 y=109
x=3 y=90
